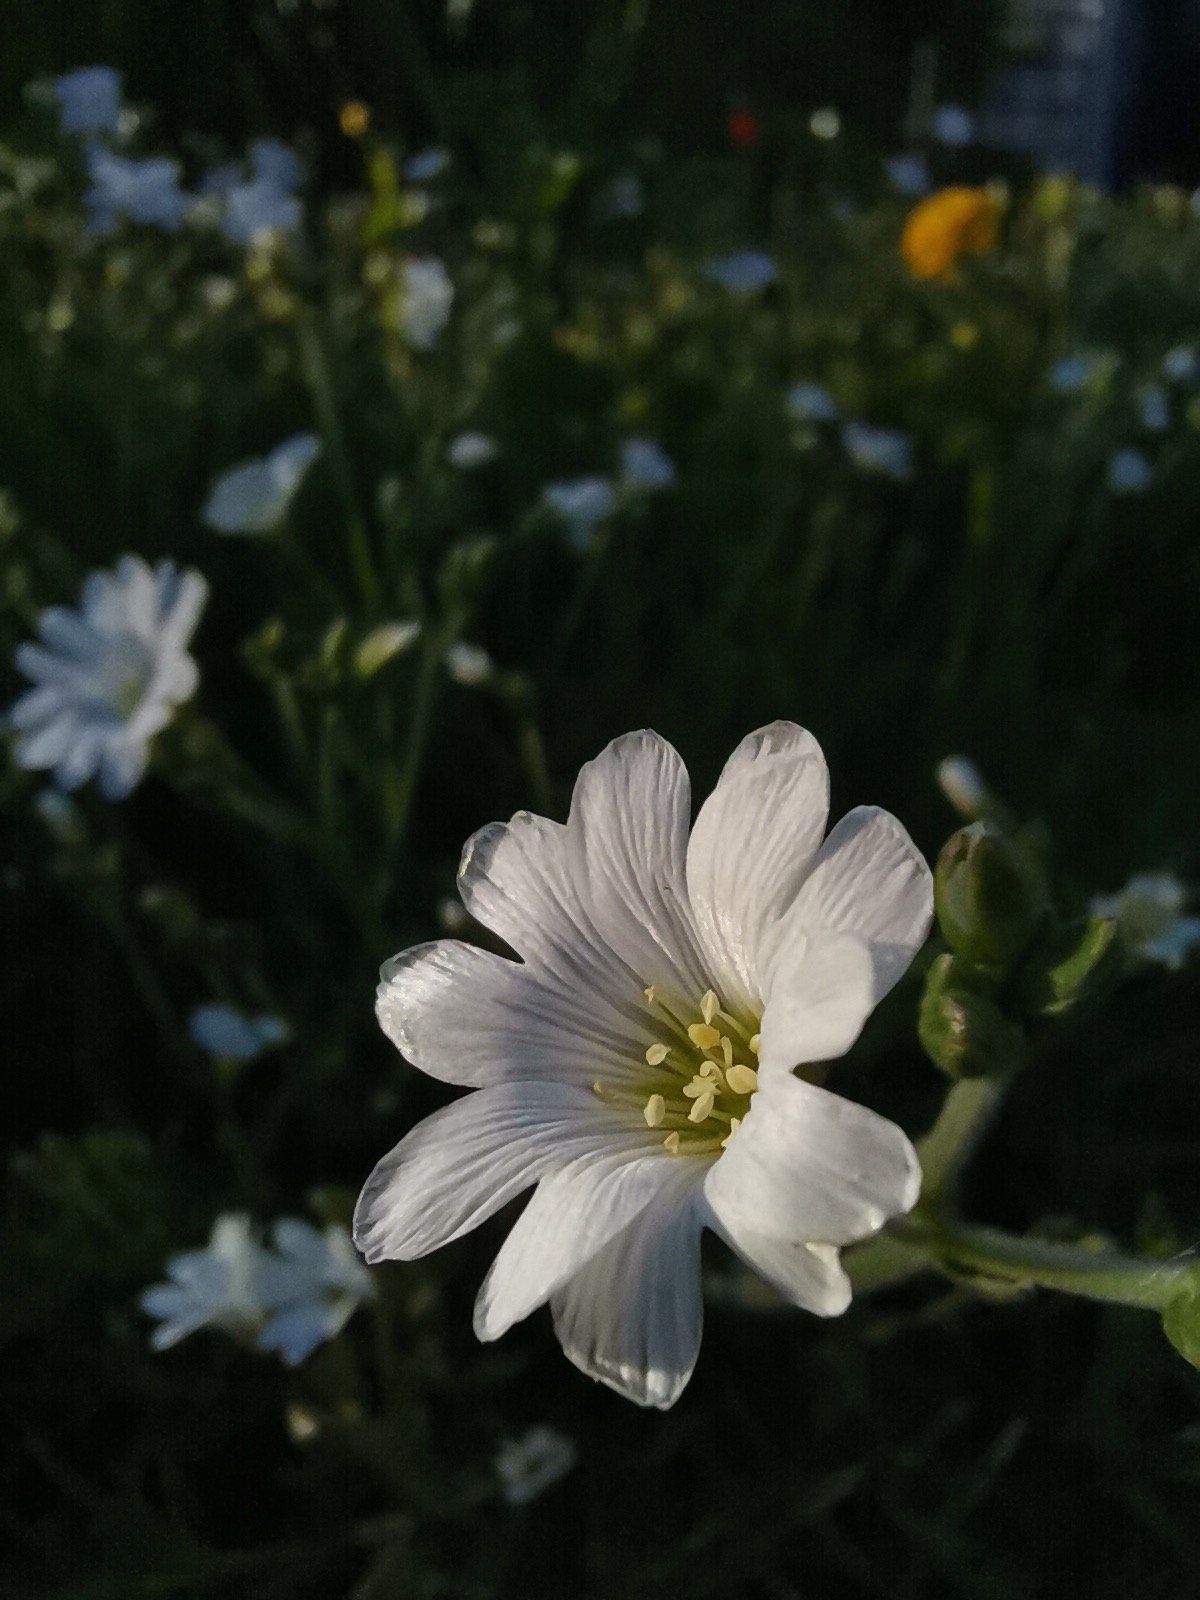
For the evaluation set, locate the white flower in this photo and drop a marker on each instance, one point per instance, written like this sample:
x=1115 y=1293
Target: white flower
x=530 y=1465
x=140 y=191
x=427 y=164
x=108 y=677
x=428 y=295
x=469 y=450
x=583 y=504
x=312 y=1285
x=470 y=665
x=1129 y=472
x=953 y=126
x=254 y=496
x=89 y=100
x=646 y=465
x=220 y=1287
x=908 y=174
x=743 y=272
x=636 y=1063
x=886 y=451
x=808 y=402
x=960 y=781
x=229 y=1035
x=1148 y=916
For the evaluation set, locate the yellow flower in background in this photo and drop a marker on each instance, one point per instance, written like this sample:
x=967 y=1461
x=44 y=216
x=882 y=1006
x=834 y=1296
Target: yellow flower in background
x=952 y=223
x=354 y=119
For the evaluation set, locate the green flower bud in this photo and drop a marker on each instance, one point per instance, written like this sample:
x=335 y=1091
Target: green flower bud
x=379 y=647
x=1064 y=964
x=989 y=901
x=1181 y=1323
x=961 y=1028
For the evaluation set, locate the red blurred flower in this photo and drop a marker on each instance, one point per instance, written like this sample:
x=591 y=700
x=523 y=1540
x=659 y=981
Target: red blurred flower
x=745 y=130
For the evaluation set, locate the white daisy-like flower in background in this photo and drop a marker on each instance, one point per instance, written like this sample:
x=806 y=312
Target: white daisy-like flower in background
x=743 y=272
x=637 y=1063
x=254 y=496
x=312 y=1284
x=89 y=100
x=885 y=451
x=469 y=450
x=108 y=677
x=646 y=465
x=583 y=504
x=230 y=1035
x=428 y=295
x=147 y=191
x=219 y=1287
x=1149 y=915
x=470 y=665
x=528 y=1466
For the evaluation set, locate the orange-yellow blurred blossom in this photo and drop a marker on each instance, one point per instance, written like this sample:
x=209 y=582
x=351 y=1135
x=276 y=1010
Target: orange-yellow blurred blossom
x=354 y=119
x=952 y=223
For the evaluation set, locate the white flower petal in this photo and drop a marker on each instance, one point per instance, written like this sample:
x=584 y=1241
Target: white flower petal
x=811 y=1167
x=122 y=767
x=809 y=1276
x=869 y=880
x=627 y=835
x=632 y=1317
x=463 y=1163
x=752 y=846
x=821 y=994
x=572 y=1215
x=517 y=878
x=246 y=500
x=469 y=1017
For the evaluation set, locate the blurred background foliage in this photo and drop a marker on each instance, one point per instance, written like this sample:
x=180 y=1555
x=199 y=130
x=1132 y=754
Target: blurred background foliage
x=1007 y=598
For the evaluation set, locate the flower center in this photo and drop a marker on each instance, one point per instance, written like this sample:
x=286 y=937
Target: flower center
x=698 y=1081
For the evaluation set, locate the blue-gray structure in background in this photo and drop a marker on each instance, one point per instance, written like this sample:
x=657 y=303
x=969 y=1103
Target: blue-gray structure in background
x=1061 y=94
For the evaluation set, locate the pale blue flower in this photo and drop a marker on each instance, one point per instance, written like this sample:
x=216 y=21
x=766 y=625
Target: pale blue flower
x=646 y=465
x=427 y=164
x=1071 y=374
x=883 y=450
x=1148 y=913
x=229 y=1035
x=808 y=402
x=428 y=296
x=908 y=174
x=138 y=191
x=953 y=126
x=743 y=272
x=220 y=1287
x=254 y=497
x=89 y=100
x=1129 y=472
x=530 y=1465
x=277 y=164
x=1181 y=364
x=1154 y=409
x=256 y=208
x=313 y=1283
x=108 y=677
x=583 y=504
x=468 y=450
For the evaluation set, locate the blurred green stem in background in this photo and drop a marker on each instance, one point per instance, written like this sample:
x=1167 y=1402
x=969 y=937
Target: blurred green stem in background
x=316 y=371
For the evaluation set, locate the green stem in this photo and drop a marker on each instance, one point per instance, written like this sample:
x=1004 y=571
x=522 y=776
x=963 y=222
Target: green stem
x=1103 y=1273
x=949 y=1145
x=316 y=371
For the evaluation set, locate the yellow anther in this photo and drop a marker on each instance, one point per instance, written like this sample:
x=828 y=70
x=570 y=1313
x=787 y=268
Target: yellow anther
x=709 y=1006
x=704 y=1036
x=671 y=1142
x=657 y=1054
x=703 y=1107
x=655 y=1111
x=727 y=1052
x=651 y=994
x=697 y=1087
x=755 y=1042
x=742 y=1080
x=734 y=1124
x=598 y=1088
x=715 y=1077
